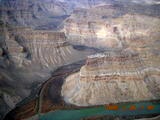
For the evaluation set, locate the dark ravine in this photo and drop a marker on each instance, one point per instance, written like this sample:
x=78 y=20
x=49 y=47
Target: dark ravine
x=56 y=82
x=51 y=91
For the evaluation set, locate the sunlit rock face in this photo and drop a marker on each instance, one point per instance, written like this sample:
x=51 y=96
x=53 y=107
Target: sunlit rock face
x=116 y=76
x=47 y=49
x=49 y=14
x=119 y=74
x=41 y=14
x=108 y=26
x=37 y=50
x=28 y=57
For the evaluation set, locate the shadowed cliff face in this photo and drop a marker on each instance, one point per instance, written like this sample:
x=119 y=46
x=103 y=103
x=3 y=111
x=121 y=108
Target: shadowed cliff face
x=114 y=76
x=37 y=37
x=40 y=14
x=28 y=57
x=49 y=14
x=37 y=14
x=106 y=78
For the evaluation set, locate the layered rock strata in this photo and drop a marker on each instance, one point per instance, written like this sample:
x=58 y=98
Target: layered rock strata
x=111 y=78
x=37 y=14
x=28 y=57
x=108 y=26
x=40 y=50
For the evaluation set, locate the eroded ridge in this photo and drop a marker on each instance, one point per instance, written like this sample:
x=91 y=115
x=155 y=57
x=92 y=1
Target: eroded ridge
x=111 y=77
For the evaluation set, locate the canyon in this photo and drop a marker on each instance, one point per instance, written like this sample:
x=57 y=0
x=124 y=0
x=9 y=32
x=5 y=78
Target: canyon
x=111 y=78
x=129 y=63
x=30 y=56
x=118 y=40
x=114 y=33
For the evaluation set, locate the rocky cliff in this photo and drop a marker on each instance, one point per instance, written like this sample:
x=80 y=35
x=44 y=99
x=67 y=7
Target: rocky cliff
x=108 y=26
x=25 y=46
x=116 y=76
x=40 y=14
x=37 y=14
x=50 y=14
x=37 y=37
x=119 y=74
x=29 y=57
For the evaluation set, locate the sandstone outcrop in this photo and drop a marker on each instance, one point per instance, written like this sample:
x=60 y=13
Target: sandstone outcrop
x=112 y=77
x=28 y=57
x=39 y=36
x=110 y=26
x=45 y=48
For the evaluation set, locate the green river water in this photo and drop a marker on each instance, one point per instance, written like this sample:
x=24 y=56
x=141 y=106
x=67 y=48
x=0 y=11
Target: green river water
x=100 y=111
